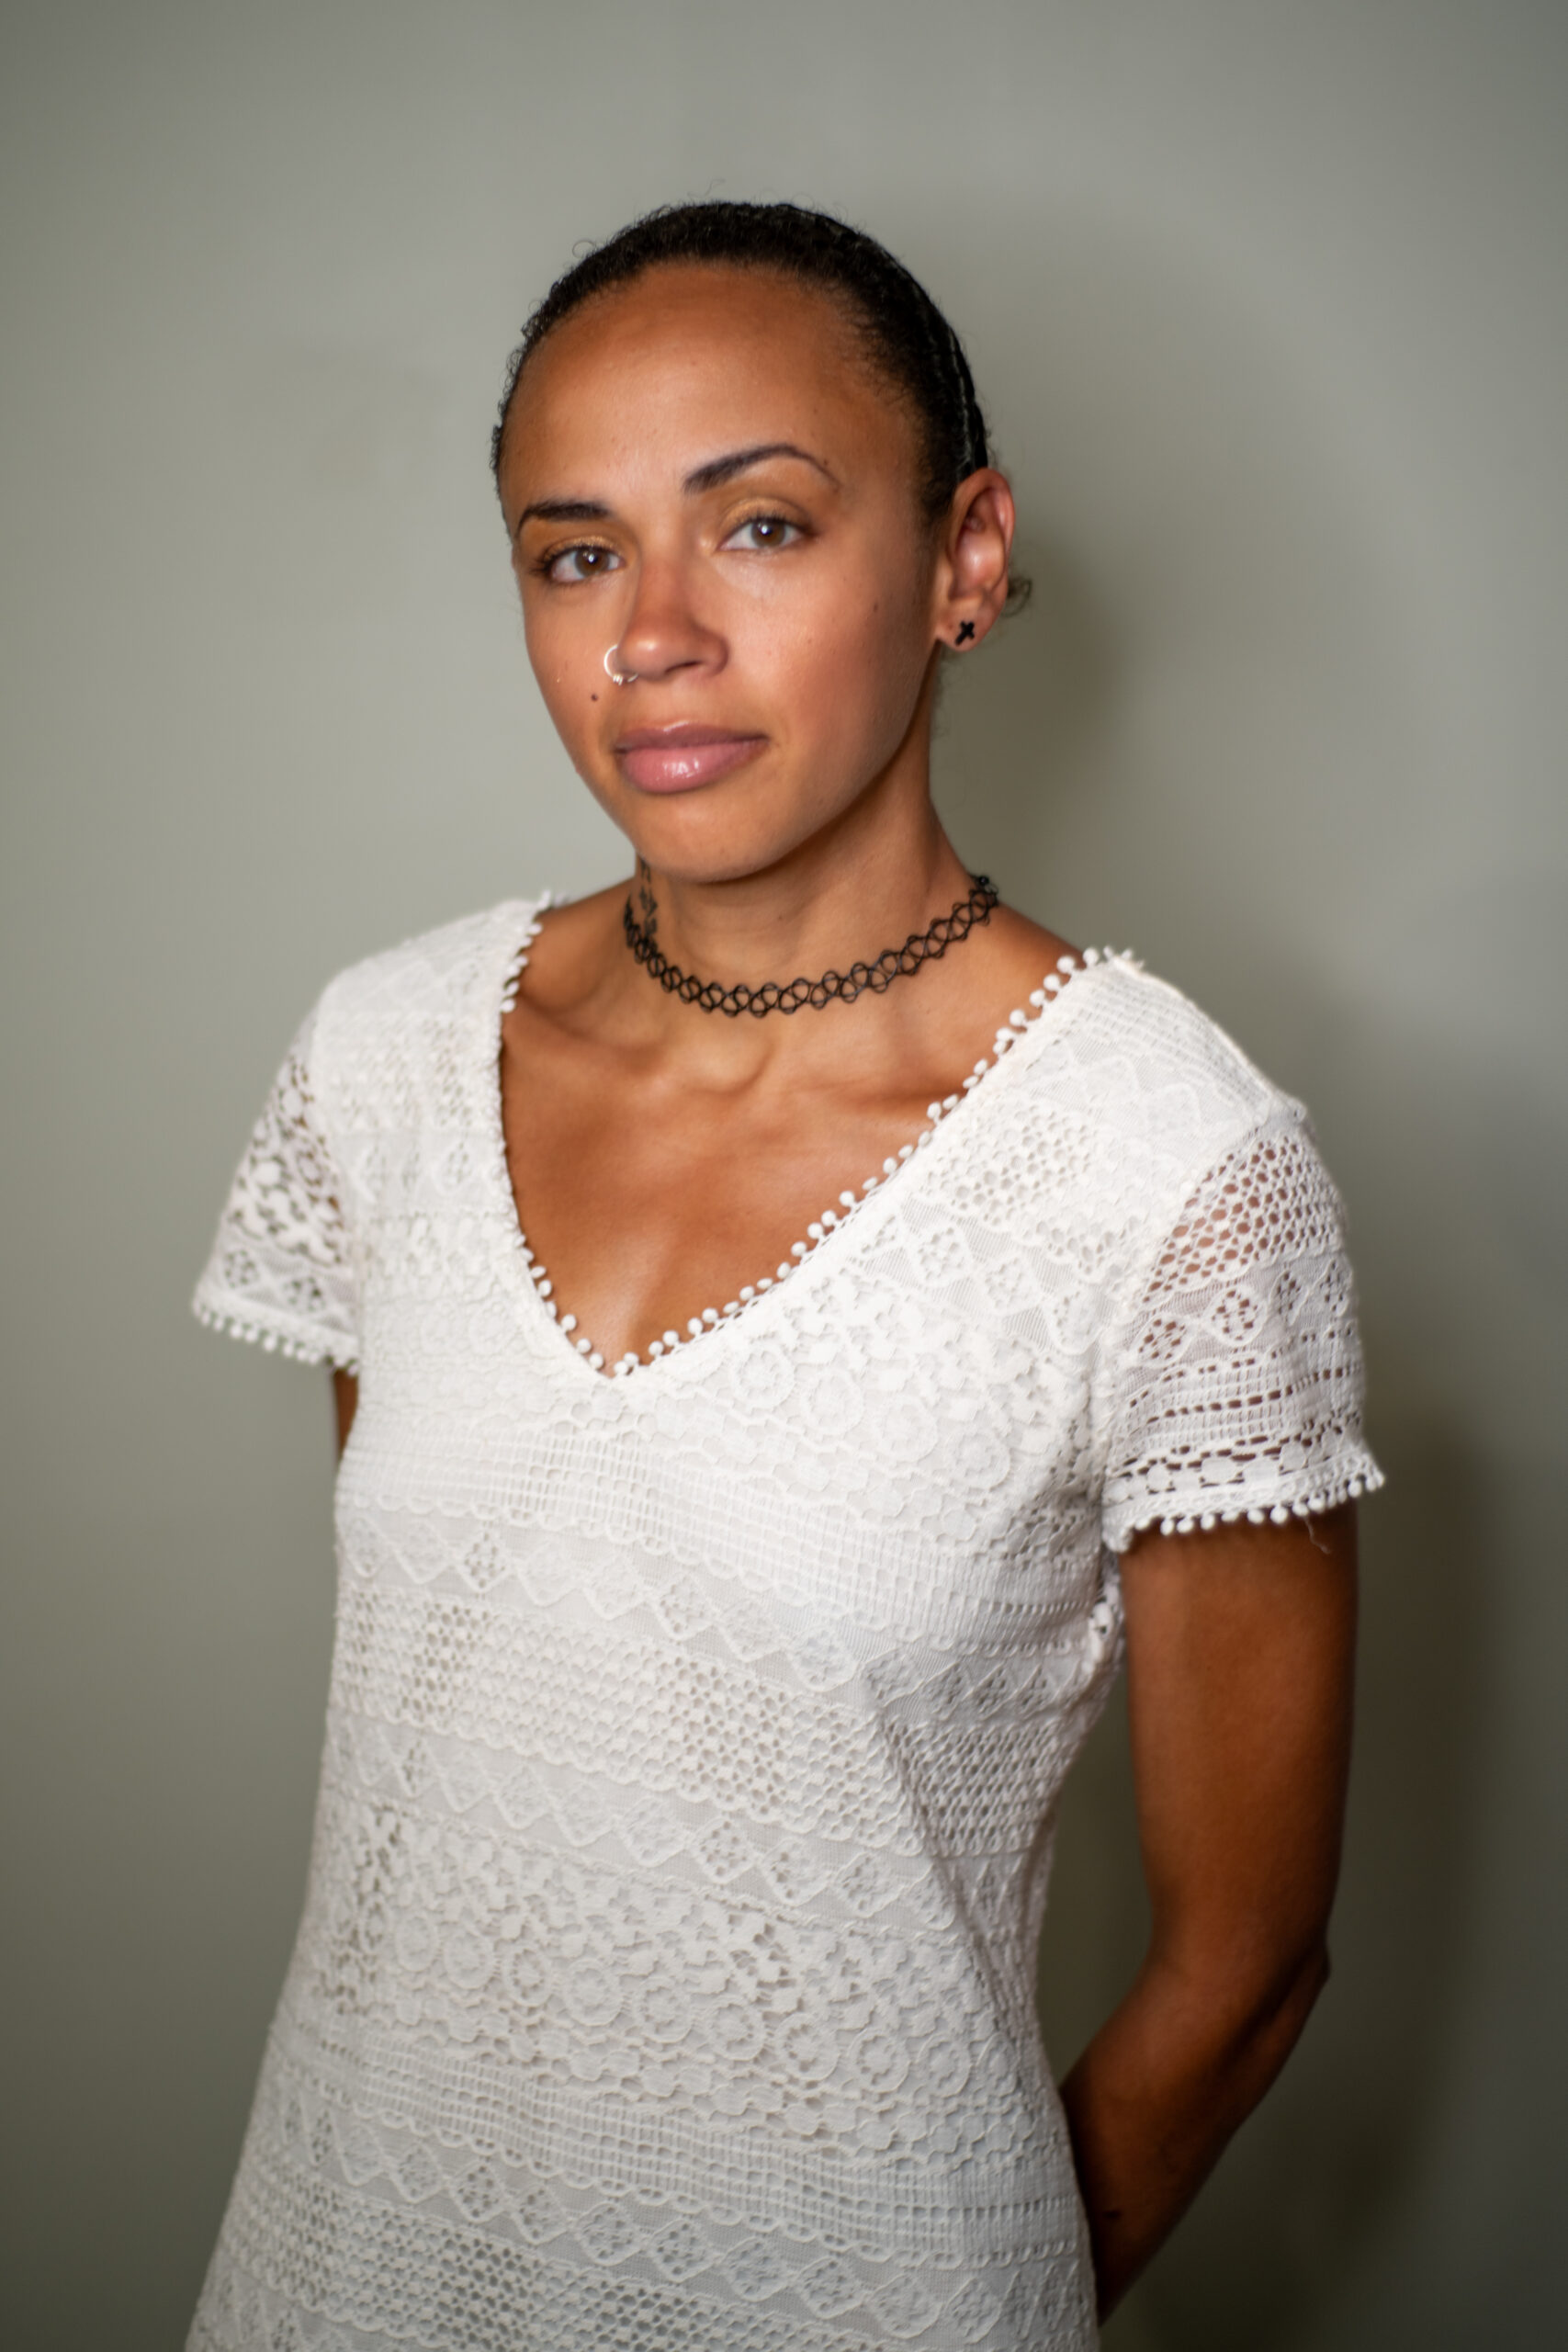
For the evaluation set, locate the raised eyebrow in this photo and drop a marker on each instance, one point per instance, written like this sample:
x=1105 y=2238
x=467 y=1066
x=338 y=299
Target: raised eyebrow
x=718 y=471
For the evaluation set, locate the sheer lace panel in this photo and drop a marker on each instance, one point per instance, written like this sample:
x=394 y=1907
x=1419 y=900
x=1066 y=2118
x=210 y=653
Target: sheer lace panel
x=1240 y=1394
x=282 y=1268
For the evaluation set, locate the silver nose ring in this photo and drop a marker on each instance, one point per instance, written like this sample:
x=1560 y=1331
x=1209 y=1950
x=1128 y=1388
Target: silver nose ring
x=617 y=677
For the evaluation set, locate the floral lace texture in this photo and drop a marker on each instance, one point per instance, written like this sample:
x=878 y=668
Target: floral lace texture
x=283 y=1269
x=695 y=1736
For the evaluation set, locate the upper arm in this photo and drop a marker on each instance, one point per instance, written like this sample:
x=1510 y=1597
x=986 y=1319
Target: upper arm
x=1235 y=1455
x=1240 y=1649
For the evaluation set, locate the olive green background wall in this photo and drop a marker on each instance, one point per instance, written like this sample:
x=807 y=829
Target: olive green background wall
x=1269 y=306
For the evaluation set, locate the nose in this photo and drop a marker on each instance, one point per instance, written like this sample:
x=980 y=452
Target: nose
x=662 y=633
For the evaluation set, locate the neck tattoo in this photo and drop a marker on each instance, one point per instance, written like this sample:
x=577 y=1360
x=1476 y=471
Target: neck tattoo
x=790 y=996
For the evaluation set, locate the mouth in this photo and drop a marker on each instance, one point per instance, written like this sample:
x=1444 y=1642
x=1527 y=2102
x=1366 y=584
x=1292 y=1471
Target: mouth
x=682 y=757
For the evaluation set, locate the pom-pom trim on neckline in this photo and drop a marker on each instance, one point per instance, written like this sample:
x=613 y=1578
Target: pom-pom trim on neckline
x=1019 y=1023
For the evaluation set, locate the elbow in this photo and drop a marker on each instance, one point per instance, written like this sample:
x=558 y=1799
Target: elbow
x=1319 y=1970
x=1304 y=1978
x=1311 y=1977
x=1277 y=2014
x=1254 y=2006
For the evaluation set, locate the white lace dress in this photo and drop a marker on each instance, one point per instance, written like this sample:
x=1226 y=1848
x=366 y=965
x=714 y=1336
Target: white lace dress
x=696 y=1736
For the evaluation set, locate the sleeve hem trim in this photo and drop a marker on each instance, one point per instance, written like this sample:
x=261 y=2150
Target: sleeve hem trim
x=304 y=1344
x=1365 y=1479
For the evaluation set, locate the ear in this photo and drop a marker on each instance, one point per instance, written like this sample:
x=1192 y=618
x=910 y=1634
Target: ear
x=972 y=574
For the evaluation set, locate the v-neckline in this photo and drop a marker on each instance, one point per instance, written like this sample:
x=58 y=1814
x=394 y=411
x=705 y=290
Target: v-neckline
x=500 y=988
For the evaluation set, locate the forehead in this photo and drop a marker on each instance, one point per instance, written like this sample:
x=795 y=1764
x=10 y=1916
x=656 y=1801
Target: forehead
x=689 y=360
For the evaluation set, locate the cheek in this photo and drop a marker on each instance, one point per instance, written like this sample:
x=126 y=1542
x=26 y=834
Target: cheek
x=568 y=664
x=847 y=658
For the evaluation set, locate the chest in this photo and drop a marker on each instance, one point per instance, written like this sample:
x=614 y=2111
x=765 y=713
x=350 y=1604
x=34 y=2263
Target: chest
x=901 y=1410
x=654 y=1199
x=904 y=1426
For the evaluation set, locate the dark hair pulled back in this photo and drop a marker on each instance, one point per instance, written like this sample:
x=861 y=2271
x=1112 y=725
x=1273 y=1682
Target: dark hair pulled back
x=901 y=331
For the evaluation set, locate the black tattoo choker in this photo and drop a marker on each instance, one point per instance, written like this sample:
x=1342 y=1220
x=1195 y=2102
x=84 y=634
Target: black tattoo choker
x=789 y=995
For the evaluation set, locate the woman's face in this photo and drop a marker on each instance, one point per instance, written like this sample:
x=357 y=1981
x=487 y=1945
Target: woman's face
x=701 y=472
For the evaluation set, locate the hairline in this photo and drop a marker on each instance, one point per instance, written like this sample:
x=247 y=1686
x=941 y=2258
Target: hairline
x=840 y=299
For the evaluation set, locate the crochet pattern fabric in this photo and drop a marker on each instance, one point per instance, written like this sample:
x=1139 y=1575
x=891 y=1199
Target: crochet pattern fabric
x=695 y=1735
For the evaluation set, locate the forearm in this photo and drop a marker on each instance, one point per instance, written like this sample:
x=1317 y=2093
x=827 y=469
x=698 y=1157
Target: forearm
x=1161 y=2088
x=1240 y=1649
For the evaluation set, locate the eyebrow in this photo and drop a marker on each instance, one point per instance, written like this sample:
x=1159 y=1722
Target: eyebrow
x=562 y=510
x=718 y=471
x=713 y=476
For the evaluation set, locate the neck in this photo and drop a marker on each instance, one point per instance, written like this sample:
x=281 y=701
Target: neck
x=884 y=871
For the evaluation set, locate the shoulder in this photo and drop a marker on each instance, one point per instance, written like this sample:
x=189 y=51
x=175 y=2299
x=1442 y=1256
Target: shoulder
x=1166 y=1045
x=435 y=972
x=396 y=1018
x=422 y=987
x=1169 y=1093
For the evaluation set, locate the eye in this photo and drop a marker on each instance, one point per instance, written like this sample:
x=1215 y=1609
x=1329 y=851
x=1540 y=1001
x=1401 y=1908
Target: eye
x=571 y=565
x=764 y=535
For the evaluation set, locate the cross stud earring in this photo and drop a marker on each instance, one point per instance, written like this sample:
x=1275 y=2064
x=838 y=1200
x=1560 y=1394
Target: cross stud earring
x=966 y=631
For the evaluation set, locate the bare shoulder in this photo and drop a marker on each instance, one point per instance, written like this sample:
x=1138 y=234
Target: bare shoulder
x=1022 y=950
x=576 y=943
x=962 y=999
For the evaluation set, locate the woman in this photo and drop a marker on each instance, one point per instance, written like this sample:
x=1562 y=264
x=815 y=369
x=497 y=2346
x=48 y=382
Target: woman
x=722 y=1609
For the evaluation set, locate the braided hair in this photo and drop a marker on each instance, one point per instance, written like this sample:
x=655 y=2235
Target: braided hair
x=901 y=329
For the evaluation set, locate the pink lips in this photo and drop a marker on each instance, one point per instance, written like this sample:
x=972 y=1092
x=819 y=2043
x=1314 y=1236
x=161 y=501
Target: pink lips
x=679 y=758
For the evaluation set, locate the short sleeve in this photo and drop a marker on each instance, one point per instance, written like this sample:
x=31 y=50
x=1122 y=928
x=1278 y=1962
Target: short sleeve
x=282 y=1268
x=1236 y=1386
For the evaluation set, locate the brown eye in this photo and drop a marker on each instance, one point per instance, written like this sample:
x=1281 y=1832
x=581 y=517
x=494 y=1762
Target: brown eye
x=764 y=534
x=573 y=564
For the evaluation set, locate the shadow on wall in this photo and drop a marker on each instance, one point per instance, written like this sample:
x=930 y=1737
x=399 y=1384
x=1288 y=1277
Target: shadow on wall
x=1215 y=643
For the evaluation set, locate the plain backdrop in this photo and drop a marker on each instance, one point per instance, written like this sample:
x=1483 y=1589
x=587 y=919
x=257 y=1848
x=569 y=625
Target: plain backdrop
x=1268 y=305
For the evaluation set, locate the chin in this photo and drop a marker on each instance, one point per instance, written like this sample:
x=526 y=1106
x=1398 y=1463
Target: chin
x=714 y=864
x=689 y=839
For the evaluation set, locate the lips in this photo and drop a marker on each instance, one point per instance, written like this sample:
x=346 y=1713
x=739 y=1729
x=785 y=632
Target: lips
x=679 y=758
